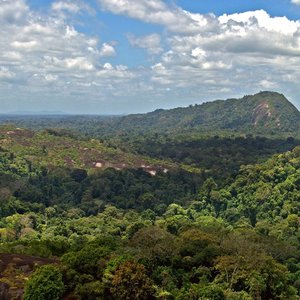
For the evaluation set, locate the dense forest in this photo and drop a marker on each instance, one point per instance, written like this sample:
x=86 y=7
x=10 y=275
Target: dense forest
x=148 y=215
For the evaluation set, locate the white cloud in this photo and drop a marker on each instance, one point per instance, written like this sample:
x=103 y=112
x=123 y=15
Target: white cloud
x=50 y=77
x=28 y=45
x=6 y=74
x=266 y=84
x=254 y=31
x=244 y=53
x=12 y=56
x=198 y=53
x=12 y=11
x=206 y=53
x=71 y=7
x=107 y=50
x=67 y=6
x=80 y=63
x=119 y=71
x=263 y=20
x=44 y=56
x=151 y=43
x=157 y=11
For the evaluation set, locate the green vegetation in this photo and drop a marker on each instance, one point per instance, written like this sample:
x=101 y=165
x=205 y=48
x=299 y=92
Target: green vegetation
x=189 y=216
x=220 y=156
x=264 y=113
x=28 y=149
x=45 y=283
x=240 y=241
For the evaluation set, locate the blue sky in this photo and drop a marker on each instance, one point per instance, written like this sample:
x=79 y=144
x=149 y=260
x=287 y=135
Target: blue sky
x=219 y=7
x=117 y=56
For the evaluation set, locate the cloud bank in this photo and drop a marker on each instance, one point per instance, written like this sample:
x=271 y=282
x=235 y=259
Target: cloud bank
x=44 y=58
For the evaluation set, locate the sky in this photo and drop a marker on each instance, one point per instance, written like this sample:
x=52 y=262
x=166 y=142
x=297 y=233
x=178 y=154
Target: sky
x=131 y=56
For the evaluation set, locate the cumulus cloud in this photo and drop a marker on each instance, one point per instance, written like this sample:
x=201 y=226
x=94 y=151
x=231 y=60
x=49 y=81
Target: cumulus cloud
x=208 y=53
x=262 y=20
x=43 y=55
x=157 y=11
x=151 y=43
x=107 y=50
x=41 y=43
x=246 y=51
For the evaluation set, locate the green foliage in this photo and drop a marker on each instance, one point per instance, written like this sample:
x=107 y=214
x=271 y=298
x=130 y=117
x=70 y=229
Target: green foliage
x=228 y=231
x=130 y=281
x=154 y=246
x=45 y=284
x=91 y=290
x=126 y=189
x=87 y=260
x=199 y=291
x=221 y=156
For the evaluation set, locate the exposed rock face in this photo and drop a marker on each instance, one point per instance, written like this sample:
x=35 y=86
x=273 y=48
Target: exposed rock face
x=261 y=112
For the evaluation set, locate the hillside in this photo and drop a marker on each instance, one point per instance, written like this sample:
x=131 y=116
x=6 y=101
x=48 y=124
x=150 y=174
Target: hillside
x=262 y=113
x=57 y=148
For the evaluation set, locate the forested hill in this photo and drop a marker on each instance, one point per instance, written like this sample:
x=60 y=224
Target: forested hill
x=262 y=113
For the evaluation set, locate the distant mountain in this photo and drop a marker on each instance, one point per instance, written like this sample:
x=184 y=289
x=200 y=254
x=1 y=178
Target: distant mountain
x=265 y=112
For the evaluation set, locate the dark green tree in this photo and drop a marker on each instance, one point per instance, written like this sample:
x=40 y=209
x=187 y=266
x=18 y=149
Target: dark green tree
x=45 y=284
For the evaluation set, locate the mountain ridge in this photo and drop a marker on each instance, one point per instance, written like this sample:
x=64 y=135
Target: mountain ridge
x=264 y=111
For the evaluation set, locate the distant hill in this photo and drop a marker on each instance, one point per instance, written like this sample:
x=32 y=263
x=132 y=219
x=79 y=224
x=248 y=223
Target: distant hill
x=265 y=112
